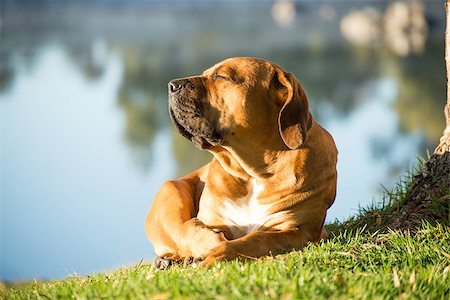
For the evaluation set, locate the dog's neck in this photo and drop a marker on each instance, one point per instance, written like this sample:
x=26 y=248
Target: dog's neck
x=266 y=167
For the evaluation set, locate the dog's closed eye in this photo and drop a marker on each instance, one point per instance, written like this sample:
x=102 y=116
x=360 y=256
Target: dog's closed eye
x=215 y=76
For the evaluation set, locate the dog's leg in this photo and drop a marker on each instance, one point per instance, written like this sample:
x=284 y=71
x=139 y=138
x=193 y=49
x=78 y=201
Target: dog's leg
x=260 y=243
x=274 y=240
x=171 y=225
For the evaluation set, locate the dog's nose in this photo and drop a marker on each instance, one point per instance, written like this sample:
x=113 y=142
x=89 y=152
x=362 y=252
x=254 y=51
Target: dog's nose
x=174 y=85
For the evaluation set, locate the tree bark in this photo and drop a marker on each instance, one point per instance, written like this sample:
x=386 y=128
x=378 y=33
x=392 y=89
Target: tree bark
x=444 y=144
x=429 y=194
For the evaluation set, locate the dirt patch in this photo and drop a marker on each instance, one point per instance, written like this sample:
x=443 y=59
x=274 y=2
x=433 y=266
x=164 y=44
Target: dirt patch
x=428 y=198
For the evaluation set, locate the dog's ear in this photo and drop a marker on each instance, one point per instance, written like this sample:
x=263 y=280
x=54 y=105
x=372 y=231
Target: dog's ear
x=294 y=119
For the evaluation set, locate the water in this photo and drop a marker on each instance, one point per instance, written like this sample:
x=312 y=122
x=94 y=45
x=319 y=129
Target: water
x=86 y=141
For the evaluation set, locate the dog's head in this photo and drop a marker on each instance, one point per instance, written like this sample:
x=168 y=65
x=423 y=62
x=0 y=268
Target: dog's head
x=239 y=99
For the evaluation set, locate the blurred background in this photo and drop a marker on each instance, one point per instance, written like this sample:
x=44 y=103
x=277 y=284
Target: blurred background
x=85 y=138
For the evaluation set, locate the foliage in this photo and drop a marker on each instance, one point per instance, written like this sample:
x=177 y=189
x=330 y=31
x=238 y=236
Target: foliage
x=394 y=211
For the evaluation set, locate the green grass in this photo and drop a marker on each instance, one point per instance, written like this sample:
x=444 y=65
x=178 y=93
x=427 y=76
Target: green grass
x=380 y=216
x=362 y=259
x=357 y=264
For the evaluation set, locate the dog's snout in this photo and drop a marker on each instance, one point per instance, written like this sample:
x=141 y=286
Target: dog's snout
x=174 y=85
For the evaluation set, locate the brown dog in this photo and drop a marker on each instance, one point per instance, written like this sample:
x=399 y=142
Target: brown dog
x=273 y=175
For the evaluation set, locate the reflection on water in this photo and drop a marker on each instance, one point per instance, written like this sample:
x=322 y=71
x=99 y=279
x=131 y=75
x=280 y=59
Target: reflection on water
x=86 y=139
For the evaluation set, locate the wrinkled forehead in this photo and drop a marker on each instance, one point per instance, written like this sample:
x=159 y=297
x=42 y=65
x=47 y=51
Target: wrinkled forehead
x=243 y=67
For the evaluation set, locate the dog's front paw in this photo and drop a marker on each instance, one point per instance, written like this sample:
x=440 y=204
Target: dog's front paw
x=224 y=251
x=163 y=263
x=199 y=240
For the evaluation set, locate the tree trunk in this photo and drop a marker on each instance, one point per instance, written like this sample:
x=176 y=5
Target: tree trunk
x=429 y=195
x=444 y=145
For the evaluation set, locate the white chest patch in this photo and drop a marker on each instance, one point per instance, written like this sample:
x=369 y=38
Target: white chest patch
x=246 y=214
